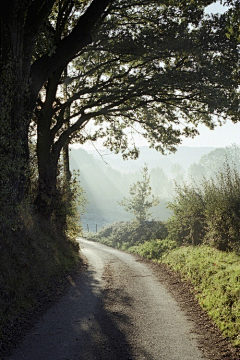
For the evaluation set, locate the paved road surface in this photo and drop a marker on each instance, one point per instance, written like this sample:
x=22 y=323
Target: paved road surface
x=116 y=309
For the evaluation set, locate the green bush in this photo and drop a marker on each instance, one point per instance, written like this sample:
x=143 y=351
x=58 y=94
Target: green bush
x=69 y=205
x=187 y=224
x=222 y=211
x=154 y=249
x=123 y=235
x=209 y=213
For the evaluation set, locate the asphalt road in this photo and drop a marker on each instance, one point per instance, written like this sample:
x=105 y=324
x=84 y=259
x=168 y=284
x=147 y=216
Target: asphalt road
x=116 y=309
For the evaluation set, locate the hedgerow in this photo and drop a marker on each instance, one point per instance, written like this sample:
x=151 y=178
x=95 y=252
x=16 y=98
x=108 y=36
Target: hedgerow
x=208 y=213
x=123 y=235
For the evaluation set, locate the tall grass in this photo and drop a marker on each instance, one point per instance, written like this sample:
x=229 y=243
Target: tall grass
x=216 y=277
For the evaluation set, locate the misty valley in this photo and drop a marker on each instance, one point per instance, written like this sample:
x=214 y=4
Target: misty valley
x=106 y=177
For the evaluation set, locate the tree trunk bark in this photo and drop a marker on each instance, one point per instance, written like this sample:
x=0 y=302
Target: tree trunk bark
x=47 y=187
x=47 y=164
x=20 y=83
x=14 y=118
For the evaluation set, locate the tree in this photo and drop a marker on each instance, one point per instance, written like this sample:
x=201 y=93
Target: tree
x=178 y=173
x=22 y=76
x=213 y=162
x=140 y=200
x=136 y=74
x=159 y=182
x=149 y=63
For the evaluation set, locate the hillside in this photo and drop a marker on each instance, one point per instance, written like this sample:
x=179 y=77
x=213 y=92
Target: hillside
x=184 y=156
x=107 y=179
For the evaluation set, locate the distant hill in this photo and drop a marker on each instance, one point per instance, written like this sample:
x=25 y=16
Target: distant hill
x=184 y=156
x=106 y=180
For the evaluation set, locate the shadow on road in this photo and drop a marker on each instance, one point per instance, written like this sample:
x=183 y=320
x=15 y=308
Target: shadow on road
x=79 y=327
x=101 y=335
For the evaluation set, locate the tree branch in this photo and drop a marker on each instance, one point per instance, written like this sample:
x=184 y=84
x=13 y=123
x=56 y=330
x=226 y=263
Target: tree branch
x=67 y=47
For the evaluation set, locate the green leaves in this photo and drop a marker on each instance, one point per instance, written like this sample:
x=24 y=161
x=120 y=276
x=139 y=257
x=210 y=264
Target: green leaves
x=125 y=234
x=155 y=67
x=187 y=224
x=208 y=213
x=159 y=67
x=140 y=200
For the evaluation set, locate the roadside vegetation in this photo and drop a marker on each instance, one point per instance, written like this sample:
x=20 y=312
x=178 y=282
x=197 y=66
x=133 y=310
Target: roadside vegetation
x=125 y=234
x=31 y=256
x=201 y=241
x=35 y=253
x=215 y=276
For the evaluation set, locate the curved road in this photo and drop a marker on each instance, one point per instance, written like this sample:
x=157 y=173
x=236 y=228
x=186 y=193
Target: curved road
x=117 y=309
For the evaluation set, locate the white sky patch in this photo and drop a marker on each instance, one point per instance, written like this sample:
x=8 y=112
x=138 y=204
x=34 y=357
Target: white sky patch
x=215 y=8
x=221 y=136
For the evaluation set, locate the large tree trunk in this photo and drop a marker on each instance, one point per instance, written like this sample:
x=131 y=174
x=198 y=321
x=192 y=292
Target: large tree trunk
x=21 y=81
x=47 y=160
x=14 y=115
x=47 y=186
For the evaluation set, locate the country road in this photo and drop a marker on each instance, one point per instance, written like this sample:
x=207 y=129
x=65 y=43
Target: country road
x=116 y=309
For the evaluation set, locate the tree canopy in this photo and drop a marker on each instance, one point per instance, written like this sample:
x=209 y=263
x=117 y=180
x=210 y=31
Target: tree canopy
x=106 y=69
x=153 y=68
x=212 y=163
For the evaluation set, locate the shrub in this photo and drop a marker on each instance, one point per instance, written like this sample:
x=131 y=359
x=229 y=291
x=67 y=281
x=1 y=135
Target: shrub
x=187 y=224
x=154 y=249
x=209 y=213
x=222 y=210
x=69 y=205
x=126 y=234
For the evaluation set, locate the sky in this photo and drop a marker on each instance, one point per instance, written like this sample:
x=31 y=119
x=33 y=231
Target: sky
x=217 y=8
x=221 y=136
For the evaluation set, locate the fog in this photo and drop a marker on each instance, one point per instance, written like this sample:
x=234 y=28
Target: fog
x=106 y=178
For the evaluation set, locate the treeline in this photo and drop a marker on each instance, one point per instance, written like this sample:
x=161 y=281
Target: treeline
x=204 y=213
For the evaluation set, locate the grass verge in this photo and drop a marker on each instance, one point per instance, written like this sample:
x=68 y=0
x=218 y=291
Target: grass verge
x=214 y=274
x=31 y=257
x=216 y=277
